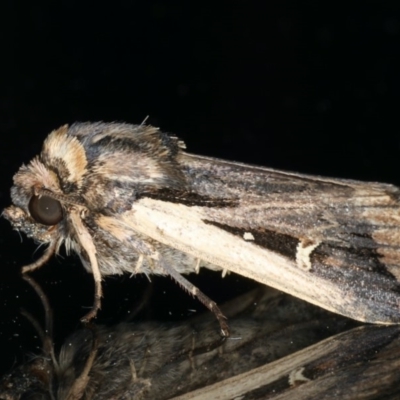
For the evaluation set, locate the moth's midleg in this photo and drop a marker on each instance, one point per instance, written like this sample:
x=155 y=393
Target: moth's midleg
x=190 y=288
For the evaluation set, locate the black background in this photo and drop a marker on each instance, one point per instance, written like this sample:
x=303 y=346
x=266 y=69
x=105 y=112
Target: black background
x=287 y=84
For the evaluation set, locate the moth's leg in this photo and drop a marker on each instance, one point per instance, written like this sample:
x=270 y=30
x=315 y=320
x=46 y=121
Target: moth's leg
x=78 y=388
x=98 y=291
x=43 y=259
x=98 y=294
x=138 y=265
x=190 y=288
x=86 y=241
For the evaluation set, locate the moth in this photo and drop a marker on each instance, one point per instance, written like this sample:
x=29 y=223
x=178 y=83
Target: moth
x=129 y=199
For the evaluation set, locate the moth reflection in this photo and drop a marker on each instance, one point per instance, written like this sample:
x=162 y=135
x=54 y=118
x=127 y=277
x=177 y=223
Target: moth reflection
x=150 y=360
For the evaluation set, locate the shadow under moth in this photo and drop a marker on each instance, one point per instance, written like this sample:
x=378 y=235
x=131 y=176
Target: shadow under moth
x=129 y=199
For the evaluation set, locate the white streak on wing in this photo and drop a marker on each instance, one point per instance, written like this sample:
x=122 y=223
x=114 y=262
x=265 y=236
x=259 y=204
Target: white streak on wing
x=182 y=228
x=303 y=253
x=248 y=236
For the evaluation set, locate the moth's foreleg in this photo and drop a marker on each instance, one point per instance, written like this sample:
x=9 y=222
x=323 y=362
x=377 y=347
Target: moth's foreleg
x=98 y=293
x=190 y=288
x=86 y=241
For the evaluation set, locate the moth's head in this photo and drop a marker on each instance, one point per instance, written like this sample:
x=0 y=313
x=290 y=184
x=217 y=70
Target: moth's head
x=102 y=166
x=38 y=216
x=59 y=170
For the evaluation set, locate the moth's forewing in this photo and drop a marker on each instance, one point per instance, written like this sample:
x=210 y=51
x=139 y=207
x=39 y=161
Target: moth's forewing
x=334 y=243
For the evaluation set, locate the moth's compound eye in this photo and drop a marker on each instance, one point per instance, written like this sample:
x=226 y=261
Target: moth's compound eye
x=45 y=210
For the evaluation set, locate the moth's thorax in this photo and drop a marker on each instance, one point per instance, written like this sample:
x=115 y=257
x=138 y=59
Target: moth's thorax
x=103 y=168
x=100 y=163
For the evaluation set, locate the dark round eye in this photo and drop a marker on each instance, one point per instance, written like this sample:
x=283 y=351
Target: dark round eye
x=45 y=210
